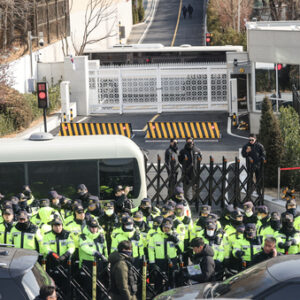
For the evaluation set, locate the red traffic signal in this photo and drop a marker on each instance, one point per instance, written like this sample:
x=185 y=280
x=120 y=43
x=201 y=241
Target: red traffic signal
x=278 y=67
x=208 y=38
x=42 y=93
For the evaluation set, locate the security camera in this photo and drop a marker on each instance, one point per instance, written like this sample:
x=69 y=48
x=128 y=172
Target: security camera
x=41 y=42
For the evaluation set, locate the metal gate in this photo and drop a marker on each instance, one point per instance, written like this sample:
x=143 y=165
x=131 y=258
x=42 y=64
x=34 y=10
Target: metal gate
x=158 y=88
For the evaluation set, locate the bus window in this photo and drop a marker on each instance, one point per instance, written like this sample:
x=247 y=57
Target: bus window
x=12 y=178
x=121 y=171
x=63 y=176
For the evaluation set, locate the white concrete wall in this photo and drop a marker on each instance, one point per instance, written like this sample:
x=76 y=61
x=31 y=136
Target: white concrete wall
x=120 y=11
x=77 y=74
x=51 y=72
x=54 y=53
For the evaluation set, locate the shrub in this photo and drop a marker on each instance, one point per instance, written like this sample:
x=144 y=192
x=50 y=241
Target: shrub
x=14 y=108
x=290 y=129
x=270 y=137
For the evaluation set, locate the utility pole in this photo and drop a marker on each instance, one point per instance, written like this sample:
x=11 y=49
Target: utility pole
x=41 y=43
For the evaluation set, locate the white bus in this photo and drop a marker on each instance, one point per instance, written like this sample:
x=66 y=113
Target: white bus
x=61 y=163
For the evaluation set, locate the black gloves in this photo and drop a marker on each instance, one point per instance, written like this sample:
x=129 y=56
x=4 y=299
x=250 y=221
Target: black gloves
x=294 y=242
x=239 y=253
x=136 y=236
x=173 y=238
x=99 y=255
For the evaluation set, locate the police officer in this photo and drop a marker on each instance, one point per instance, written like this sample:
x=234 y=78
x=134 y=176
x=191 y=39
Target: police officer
x=44 y=214
x=148 y=211
x=249 y=216
x=188 y=224
x=291 y=207
x=77 y=226
x=23 y=204
x=164 y=249
x=236 y=219
x=288 y=238
x=109 y=221
x=214 y=238
x=58 y=245
x=30 y=197
x=25 y=234
x=203 y=255
x=200 y=223
x=178 y=198
x=6 y=226
x=83 y=194
x=188 y=157
x=94 y=208
x=130 y=233
x=171 y=161
x=156 y=225
x=246 y=247
x=55 y=198
x=263 y=218
x=122 y=203
x=272 y=229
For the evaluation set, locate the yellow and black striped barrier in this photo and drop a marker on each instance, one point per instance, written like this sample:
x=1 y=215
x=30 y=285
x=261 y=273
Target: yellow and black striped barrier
x=71 y=129
x=182 y=130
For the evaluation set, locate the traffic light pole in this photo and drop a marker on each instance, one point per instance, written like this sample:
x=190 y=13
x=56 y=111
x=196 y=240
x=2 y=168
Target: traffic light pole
x=45 y=119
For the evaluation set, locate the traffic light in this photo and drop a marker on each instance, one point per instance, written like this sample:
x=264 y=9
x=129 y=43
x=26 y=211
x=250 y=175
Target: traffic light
x=279 y=67
x=208 y=38
x=42 y=94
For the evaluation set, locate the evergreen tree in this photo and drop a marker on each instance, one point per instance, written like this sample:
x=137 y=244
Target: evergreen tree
x=290 y=130
x=270 y=137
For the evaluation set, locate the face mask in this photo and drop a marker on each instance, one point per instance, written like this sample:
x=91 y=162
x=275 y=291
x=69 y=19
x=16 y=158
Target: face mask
x=292 y=211
x=138 y=223
x=146 y=210
x=275 y=224
x=190 y=145
x=251 y=234
x=128 y=253
x=210 y=232
x=23 y=226
x=249 y=213
x=129 y=227
x=109 y=212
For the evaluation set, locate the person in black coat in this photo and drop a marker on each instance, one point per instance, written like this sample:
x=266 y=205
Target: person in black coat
x=269 y=251
x=171 y=161
x=255 y=155
x=47 y=292
x=188 y=157
x=204 y=256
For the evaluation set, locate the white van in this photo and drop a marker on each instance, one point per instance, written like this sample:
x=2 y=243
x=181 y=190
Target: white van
x=100 y=162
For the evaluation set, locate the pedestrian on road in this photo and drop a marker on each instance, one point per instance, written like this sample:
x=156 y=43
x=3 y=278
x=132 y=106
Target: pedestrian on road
x=255 y=155
x=184 y=11
x=190 y=10
x=188 y=157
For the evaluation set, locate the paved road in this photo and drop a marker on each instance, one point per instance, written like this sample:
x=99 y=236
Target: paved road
x=190 y=31
x=227 y=145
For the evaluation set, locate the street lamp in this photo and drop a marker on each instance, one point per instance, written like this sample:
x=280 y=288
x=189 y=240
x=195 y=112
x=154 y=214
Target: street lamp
x=41 y=44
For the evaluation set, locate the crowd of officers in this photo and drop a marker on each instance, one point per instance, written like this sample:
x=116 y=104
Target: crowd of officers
x=59 y=228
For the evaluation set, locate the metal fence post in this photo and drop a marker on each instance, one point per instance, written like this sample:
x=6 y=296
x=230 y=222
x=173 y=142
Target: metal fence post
x=197 y=193
x=262 y=178
x=158 y=179
x=237 y=182
x=210 y=182
x=223 y=187
x=94 y=280
x=69 y=264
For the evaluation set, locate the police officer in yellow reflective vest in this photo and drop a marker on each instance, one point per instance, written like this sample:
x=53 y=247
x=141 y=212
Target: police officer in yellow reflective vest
x=129 y=233
x=246 y=247
x=58 y=245
x=164 y=249
x=288 y=238
x=6 y=226
x=25 y=234
x=92 y=244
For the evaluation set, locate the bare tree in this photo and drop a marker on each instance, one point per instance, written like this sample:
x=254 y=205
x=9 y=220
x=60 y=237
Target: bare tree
x=98 y=13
